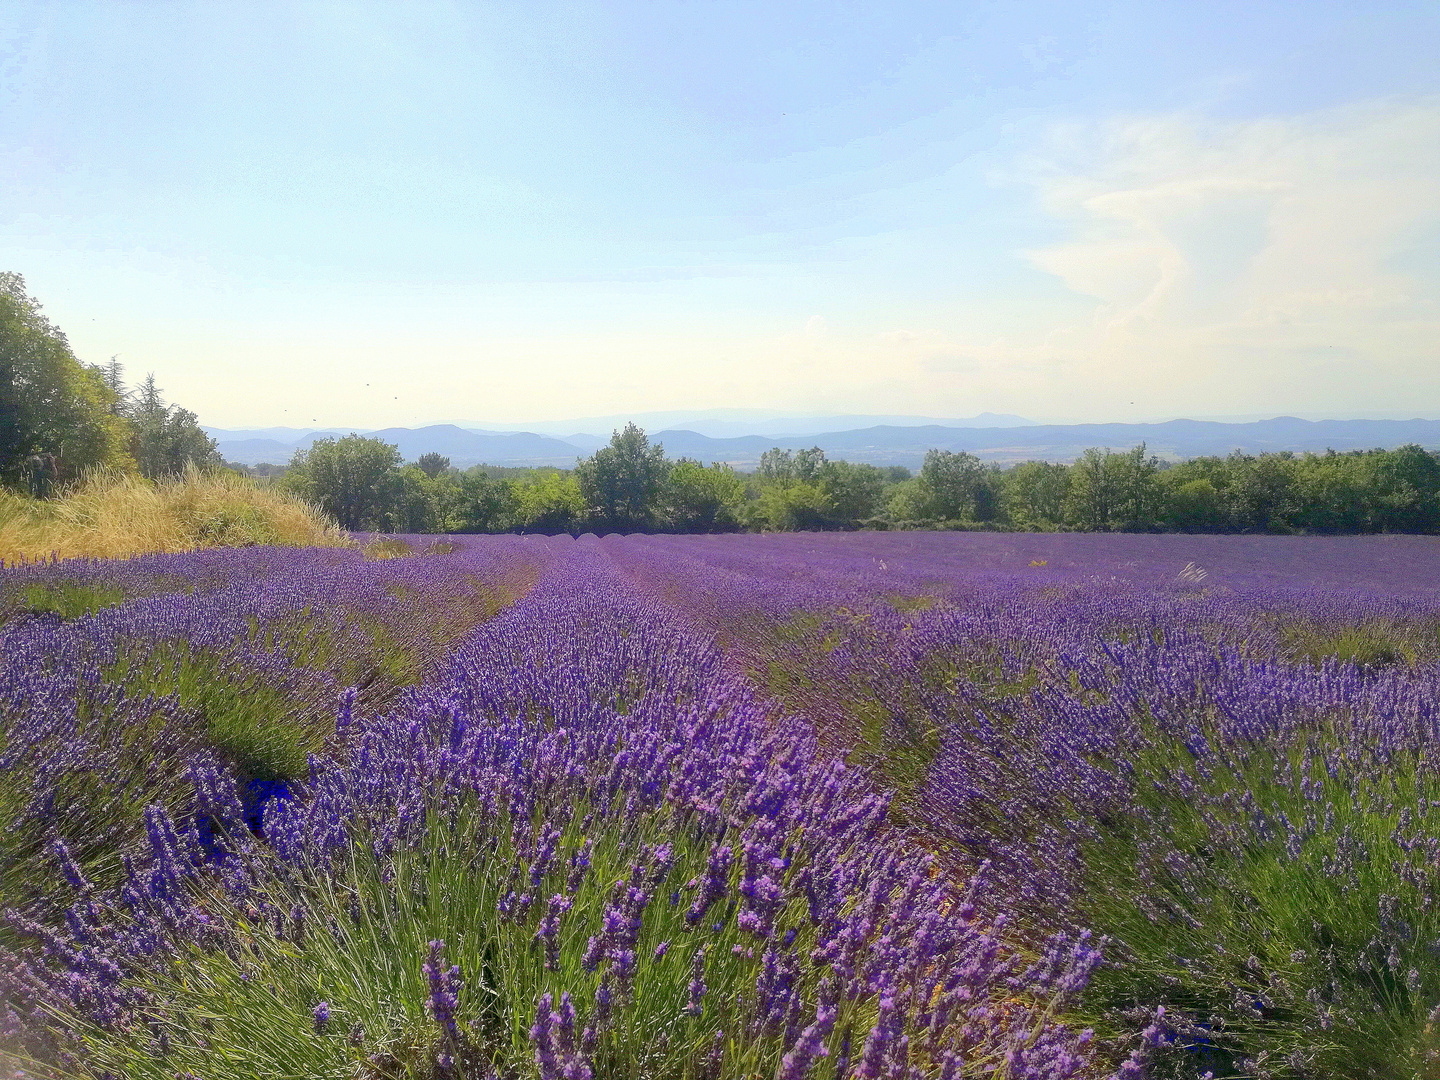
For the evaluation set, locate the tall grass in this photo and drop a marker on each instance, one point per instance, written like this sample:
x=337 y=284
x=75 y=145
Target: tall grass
x=113 y=515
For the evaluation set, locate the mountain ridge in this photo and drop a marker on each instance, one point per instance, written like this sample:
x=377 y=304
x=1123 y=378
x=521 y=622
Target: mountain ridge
x=878 y=444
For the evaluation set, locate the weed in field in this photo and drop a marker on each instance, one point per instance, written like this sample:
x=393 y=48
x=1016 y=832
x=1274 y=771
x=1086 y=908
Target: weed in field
x=1372 y=644
x=67 y=599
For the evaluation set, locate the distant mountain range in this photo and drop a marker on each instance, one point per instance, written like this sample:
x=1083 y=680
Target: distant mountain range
x=876 y=443
x=732 y=423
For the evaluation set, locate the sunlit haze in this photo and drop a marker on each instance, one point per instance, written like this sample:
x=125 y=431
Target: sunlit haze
x=400 y=214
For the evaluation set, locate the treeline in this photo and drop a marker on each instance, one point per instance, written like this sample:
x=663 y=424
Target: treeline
x=630 y=486
x=60 y=418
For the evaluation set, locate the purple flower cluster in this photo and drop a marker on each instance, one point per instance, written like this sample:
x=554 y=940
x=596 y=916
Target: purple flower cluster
x=1049 y=688
x=445 y=982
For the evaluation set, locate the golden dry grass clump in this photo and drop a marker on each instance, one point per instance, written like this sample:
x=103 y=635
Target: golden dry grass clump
x=113 y=515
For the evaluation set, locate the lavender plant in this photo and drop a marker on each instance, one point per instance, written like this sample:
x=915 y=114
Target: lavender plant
x=898 y=805
x=634 y=870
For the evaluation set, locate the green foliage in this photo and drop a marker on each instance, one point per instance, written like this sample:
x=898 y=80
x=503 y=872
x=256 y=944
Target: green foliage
x=248 y=1010
x=255 y=725
x=621 y=485
x=68 y=599
x=1033 y=494
x=167 y=439
x=802 y=490
x=909 y=501
x=1111 y=491
x=483 y=503
x=1339 y=915
x=790 y=507
x=779 y=466
x=419 y=502
x=1191 y=505
x=1371 y=644
x=853 y=491
x=952 y=484
x=549 y=501
x=700 y=499
x=433 y=464
x=355 y=479
x=51 y=403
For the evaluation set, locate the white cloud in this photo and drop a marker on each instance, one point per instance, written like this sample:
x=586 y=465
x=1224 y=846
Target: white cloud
x=1235 y=255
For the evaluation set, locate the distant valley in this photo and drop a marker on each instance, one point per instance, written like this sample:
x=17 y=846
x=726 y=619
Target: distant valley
x=876 y=443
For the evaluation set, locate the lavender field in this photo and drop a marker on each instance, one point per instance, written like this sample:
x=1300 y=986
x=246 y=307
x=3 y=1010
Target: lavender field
x=901 y=805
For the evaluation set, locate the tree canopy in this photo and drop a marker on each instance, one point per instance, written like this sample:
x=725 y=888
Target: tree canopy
x=622 y=483
x=50 y=403
x=355 y=479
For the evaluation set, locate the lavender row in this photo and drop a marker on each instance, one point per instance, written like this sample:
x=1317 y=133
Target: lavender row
x=1228 y=767
x=583 y=847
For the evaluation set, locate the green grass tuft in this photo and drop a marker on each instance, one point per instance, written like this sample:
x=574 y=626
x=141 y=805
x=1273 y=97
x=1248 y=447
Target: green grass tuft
x=68 y=599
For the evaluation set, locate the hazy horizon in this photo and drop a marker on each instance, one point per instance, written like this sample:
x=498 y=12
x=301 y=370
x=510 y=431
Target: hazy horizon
x=604 y=426
x=385 y=215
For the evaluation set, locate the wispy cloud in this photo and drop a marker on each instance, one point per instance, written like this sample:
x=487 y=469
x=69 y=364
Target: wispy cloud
x=1282 y=258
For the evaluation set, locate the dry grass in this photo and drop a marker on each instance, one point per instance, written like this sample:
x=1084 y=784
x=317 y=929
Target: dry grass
x=113 y=515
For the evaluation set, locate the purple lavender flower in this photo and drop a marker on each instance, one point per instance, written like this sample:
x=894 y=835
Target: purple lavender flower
x=695 y=1005
x=549 y=933
x=444 y=997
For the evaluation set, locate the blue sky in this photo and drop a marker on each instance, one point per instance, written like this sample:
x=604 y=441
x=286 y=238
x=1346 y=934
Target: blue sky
x=408 y=213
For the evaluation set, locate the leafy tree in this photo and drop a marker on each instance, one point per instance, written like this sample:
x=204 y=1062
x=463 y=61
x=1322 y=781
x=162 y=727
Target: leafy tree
x=484 y=503
x=50 y=403
x=1110 y=491
x=701 y=499
x=1261 y=493
x=1408 y=483
x=953 y=483
x=549 y=502
x=791 y=507
x=622 y=484
x=853 y=491
x=1033 y=494
x=419 y=503
x=1191 y=505
x=433 y=464
x=779 y=466
x=167 y=438
x=909 y=501
x=355 y=479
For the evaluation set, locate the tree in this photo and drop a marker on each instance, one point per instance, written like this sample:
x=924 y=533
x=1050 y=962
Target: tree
x=167 y=438
x=549 y=501
x=1033 y=494
x=791 y=507
x=853 y=491
x=51 y=405
x=791 y=467
x=1261 y=493
x=418 y=506
x=909 y=501
x=1192 y=505
x=433 y=464
x=622 y=484
x=1110 y=491
x=953 y=482
x=355 y=479
x=1408 y=480
x=484 y=503
x=700 y=499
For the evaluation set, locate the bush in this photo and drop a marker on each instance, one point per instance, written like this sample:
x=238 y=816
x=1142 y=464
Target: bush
x=115 y=515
